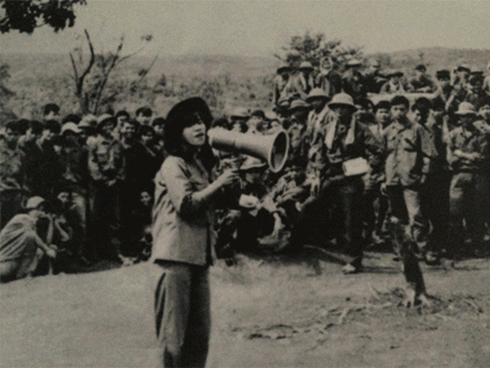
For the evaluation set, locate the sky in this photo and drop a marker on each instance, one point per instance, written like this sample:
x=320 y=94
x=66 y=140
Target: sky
x=260 y=28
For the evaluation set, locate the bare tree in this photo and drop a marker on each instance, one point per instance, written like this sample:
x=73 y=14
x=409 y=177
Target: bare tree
x=91 y=80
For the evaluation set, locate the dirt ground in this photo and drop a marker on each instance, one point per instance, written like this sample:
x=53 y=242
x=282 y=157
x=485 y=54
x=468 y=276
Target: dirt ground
x=267 y=312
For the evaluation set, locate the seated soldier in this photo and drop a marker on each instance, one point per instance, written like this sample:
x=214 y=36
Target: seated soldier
x=282 y=90
x=291 y=191
x=421 y=82
x=252 y=215
x=444 y=88
x=395 y=83
x=20 y=245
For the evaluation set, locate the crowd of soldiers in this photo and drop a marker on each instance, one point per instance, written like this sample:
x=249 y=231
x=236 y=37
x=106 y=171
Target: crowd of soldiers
x=88 y=183
x=374 y=158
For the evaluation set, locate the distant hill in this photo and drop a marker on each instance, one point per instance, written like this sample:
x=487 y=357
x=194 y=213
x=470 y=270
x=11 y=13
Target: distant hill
x=435 y=58
x=27 y=66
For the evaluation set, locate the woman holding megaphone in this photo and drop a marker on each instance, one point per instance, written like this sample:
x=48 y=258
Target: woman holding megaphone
x=182 y=235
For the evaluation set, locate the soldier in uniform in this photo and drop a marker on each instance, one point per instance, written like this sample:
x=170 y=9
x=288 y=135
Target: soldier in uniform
x=421 y=82
x=468 y=154
x=282 y=86
x=304 y=81
x=345 y=140
x=328 y=79
x=353 y=81
x=395 y=83
x=407 y=164
x=373 y=79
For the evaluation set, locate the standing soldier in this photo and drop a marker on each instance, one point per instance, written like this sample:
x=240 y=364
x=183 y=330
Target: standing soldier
x=304 y=82
x=468 y=154
x=107 y=168
x=317 y=119
x=353 y=81
x=406 y=167
x=11 y=173
x=345 y=141
x=435 y=193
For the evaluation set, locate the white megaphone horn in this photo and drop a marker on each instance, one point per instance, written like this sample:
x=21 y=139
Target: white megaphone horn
x=273 y=149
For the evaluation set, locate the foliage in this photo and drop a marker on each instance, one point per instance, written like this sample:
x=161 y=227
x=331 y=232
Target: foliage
x=25 y=15
x=5 y=94
x=313 y=48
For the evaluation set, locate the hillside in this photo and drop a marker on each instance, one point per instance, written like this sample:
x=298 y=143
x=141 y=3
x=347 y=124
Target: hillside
x=224 y=81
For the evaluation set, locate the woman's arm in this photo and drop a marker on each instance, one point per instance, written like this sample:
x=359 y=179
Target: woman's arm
x=185 y=199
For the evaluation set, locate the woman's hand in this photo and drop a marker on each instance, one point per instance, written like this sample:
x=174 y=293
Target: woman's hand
x=229 y=177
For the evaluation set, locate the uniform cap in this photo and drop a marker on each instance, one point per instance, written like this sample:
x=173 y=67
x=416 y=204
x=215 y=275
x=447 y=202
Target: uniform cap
x=342 y=99
x=305 y=65
x=88 y=121
x=70 y=127
x=104 y=119
x=316 y=93
x=394 y=73
x=354 y=62
x=252 y=163
x=298 y=104
x=466 y=108
x=34 y=202
x=240 y=113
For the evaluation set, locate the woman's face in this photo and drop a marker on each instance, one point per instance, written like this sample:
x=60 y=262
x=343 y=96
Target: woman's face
x=195 y=135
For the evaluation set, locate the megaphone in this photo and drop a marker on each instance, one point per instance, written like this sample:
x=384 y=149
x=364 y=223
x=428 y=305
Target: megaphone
x=273 y=149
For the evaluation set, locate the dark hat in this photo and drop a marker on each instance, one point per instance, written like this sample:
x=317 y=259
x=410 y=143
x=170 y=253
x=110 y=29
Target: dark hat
x=464 y=67
x=443 y=74
x=421 y=67
x=190 y=109
x=394 y=73
x=259 y=113
x=474 y=78
x=183 y=114
x=283 y=69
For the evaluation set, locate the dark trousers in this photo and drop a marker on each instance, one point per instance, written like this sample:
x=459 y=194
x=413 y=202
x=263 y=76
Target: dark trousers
x=182 y=314
x=105 y=221
x=338 y=207
x=10 y=205
x=435 y=207
x=404 y=214
x=468 y=199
